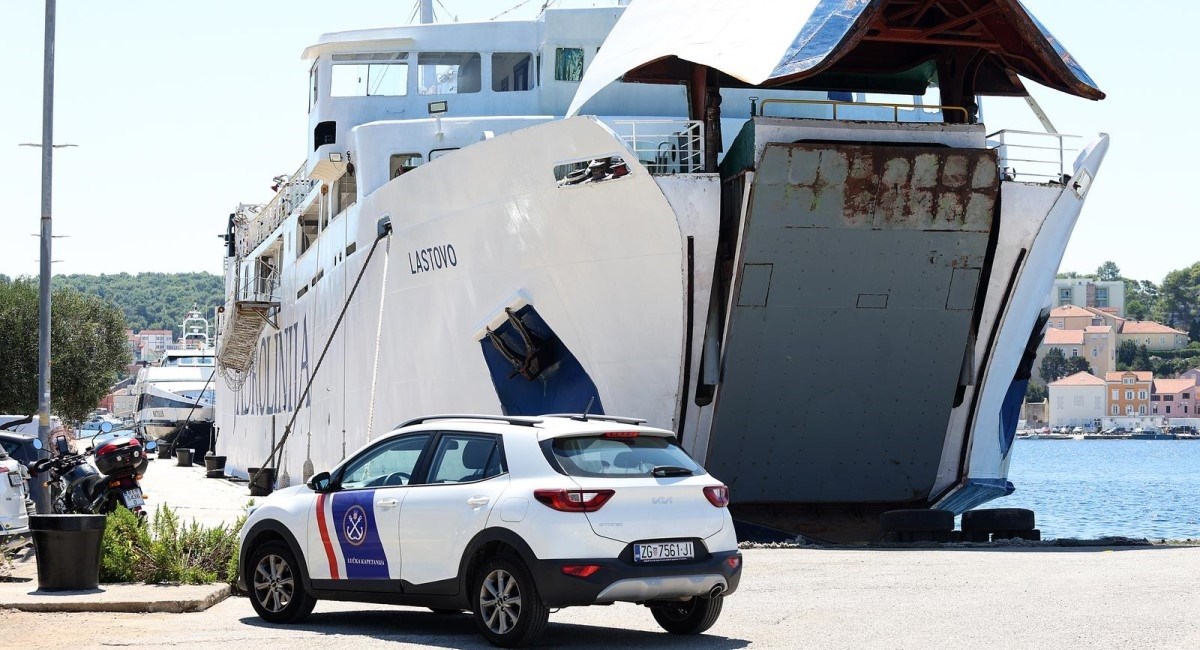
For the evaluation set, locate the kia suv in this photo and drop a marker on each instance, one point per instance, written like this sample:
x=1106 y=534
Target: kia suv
x=504 y=517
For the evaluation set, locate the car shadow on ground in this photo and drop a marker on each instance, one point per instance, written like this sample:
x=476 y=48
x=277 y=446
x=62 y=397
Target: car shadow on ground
x=458 y=631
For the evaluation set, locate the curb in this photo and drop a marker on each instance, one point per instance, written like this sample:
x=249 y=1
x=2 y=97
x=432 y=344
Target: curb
x=89 y=601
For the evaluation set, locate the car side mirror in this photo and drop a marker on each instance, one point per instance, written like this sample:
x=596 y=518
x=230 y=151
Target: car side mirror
x=320 y=482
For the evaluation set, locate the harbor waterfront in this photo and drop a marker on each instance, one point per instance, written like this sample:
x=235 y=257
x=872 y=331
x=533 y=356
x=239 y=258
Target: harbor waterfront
x=1095 y=488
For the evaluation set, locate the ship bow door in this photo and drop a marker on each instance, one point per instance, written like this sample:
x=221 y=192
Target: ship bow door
x=849 y=320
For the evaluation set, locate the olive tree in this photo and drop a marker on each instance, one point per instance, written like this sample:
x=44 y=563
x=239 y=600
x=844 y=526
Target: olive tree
x=88 y=349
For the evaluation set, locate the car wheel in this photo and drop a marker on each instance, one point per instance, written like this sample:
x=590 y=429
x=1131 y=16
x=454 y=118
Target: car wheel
x=689 y=616
x=276 y=585
x=507 y=608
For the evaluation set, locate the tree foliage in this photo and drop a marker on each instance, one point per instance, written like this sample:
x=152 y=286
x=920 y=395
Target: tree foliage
x=1054 y=365
x=152 y=300
x=1035 y=393
x=1126 y=352
x=1077 y=364
x=1108 y=272
x=88 y=349
x=1179 y=300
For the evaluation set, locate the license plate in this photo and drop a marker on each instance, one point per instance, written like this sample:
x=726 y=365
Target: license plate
x=663 y=552
x=133 y=498
x=14 y=479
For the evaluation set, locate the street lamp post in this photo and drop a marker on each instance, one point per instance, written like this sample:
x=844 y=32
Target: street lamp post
x=41 y=495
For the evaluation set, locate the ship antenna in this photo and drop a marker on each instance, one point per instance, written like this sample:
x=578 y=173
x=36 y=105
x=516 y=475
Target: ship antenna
x=591 y=400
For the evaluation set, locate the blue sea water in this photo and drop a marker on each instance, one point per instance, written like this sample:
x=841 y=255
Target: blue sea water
x=1094 y=488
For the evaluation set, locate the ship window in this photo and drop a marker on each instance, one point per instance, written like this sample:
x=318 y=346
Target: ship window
x=312 y=87
x=369 y=75
x=438 y=153
x=510 y=71
x=568 y=64
x=403 y=162
x=449 y=73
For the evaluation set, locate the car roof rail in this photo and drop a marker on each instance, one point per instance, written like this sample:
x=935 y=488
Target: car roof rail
x=584 y=417
x=519 y=420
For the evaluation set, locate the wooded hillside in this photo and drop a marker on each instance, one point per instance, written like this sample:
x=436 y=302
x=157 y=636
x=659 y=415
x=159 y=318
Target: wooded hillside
x=152 y=300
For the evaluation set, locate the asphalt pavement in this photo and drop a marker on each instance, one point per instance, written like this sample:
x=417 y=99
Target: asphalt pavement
x=1144 y=597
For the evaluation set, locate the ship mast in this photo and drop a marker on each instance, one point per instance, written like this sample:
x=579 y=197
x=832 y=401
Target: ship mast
x=426 y=11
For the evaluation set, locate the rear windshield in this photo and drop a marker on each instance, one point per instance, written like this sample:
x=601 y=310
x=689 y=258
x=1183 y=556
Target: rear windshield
x=616 y=457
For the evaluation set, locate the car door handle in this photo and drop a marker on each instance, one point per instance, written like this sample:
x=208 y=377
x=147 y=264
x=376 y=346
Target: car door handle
x=477 y=501
x=387 y=503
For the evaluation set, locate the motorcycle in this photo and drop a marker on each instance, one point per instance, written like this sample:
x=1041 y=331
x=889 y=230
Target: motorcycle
x=78 y=487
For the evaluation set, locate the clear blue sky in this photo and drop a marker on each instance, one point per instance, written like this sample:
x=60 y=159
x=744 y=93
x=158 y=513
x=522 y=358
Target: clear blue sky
x=181 y=110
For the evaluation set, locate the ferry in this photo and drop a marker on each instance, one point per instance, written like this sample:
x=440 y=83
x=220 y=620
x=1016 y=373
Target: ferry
x=779 y=229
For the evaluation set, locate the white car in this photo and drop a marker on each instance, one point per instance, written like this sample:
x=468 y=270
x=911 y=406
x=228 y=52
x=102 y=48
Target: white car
x=14 y=519
x=507 y=517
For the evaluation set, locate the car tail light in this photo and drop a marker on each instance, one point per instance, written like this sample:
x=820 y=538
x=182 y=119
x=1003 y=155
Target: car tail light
x=621 y=434
x=574 y=500
x=733 y=562
x=3 y=469
x=718 y=495
x=580 y=570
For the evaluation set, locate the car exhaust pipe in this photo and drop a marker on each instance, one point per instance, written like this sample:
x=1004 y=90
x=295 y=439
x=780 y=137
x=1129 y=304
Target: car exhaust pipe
x=716 y=591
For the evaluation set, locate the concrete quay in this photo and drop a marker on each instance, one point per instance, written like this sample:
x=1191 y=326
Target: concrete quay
x=1005 y=597
x=210 y=502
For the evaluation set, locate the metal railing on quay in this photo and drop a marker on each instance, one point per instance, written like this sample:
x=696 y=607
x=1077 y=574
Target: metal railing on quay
x=1034 y=156
x=834 y=104
x=664 y=146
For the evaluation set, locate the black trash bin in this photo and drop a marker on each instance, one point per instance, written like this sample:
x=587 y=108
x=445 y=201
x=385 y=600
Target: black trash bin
x=265 y=483
x=214 y=466
x=183 y=456
x=68 y=551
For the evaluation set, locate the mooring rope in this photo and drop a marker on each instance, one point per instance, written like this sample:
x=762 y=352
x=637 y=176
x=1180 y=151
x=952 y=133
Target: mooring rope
x=387 y=256
x=385 y=230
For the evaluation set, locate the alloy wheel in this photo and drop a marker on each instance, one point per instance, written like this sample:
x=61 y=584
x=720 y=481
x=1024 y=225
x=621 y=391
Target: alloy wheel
x=500 y=601
x=274 y=584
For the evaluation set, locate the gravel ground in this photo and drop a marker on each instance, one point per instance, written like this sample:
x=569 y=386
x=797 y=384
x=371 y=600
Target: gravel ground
x=1013 y=597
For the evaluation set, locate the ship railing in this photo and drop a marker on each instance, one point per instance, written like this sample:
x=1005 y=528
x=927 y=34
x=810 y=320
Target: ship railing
x=664 y=146
x=261 y=284
x=831 y=109
x=257 y=222
x=1034 y=156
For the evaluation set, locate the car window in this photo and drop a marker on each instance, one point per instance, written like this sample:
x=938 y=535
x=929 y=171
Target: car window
x=462 y=458
x=619 y=456
x=390 y=463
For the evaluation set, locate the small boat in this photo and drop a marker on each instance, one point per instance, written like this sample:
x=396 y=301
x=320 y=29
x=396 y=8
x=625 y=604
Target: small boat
x=1151 y=433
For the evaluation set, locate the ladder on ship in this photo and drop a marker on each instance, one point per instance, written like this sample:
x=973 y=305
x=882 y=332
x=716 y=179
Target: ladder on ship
x=240 y=339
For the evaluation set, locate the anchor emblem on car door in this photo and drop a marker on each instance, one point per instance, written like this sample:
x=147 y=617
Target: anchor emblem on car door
x=354 y=525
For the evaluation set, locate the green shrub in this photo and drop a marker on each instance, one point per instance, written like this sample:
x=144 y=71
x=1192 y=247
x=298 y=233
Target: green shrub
x=167 y=550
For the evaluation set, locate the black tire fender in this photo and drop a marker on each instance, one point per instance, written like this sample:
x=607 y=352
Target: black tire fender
x=993 y=519
x=916 y=521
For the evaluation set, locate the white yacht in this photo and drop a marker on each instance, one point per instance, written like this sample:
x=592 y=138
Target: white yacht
x=175 y=396
x=779 y=229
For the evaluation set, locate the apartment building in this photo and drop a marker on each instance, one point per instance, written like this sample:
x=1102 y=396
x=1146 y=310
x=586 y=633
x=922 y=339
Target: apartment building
x=1077 y=401
x=1155 y=336
x=1174 y=398
x=1089 y=292
x=1129 y=392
